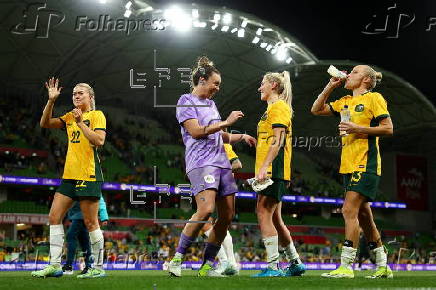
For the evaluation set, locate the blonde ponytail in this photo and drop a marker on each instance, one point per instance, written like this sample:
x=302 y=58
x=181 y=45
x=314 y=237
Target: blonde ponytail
x=286 y=95
x=375 y=77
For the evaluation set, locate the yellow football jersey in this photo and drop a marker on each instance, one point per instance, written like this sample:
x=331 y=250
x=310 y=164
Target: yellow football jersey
x=82 y=161
x=277 y=114
x=231 y=155
x=360 y=152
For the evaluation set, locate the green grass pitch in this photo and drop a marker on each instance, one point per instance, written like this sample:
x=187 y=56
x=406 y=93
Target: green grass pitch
x=157 y=280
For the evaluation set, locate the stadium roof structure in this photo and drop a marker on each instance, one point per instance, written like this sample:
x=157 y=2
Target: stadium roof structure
x=137 y=55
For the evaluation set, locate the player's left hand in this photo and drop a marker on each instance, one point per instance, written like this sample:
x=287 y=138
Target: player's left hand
x=262 y=175
x=251 y=141
x=349 y=127
x=77 y=113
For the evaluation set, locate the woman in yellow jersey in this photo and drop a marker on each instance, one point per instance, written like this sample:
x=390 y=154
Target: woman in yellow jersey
x=273 y=160
x=360 y=162
x=82 y=178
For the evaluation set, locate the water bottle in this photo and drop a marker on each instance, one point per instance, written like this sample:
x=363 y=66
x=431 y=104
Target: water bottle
x=334 y=72
x=345 y=117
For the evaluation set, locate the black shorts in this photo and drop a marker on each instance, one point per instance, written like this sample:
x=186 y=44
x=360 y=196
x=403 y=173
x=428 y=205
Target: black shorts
x=80 y=188
x=277 y=190
x=362 y=182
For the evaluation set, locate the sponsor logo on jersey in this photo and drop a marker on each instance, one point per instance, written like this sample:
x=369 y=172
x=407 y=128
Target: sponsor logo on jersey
x=356 y=176
x=359 y=108
x=209 y=179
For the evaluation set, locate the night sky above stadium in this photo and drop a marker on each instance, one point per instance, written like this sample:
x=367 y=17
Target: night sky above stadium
x=354 y=30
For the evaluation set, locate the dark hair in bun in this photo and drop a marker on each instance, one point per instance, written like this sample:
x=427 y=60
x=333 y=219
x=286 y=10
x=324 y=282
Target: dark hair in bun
x=204 y=68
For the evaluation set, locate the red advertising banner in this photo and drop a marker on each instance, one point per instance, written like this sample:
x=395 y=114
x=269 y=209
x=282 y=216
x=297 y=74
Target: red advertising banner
x=412 y=181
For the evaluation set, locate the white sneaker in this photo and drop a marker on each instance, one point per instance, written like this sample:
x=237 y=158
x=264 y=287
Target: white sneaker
x=222 y=267
x=231 y=270
x=175 y=267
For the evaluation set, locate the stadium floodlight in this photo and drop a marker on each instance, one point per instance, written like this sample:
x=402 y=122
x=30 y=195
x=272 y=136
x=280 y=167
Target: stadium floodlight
x=127 y=13
x=128 y=5
x=241 y=33
x=244 y=23
x=227 y=18
x=268 y=48
x=199 y=24
x=294 y=215
x=288 y=60
x=217 y=17
x=148 y=9
x=195 y=14
x=178 y=18
x=142 y=7
x=255 y=40
x=263 y=44
x=281 y=53
x=259 y=31
x=234 y=30
x=225 y=28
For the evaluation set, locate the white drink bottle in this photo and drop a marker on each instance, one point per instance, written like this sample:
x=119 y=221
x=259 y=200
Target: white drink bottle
x=334 y=72
x=345 y=117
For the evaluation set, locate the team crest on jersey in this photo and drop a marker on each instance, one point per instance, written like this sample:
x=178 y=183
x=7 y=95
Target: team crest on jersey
x=359 y=108
x=209 y=179
x=356 y=176
x=264 y=116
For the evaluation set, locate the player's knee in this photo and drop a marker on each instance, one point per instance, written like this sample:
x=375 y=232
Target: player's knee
x=279 y=225
x=54 y=219
x=90 y=224
x=204 y=213
x=260 y=213
x=263 y=216
x=349 y=212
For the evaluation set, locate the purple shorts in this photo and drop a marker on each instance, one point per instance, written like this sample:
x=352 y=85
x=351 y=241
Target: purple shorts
x=209 y=177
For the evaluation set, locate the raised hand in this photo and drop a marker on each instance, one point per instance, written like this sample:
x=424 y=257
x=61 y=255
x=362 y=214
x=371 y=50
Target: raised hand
x=262 y=174
x=233 y=117
x=335 y=82
x=53 y=89
x=77 y=113
x=348 y=127
x=251 y=141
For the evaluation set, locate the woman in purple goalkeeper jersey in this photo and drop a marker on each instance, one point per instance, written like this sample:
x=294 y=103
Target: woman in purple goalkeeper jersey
x=207 y=165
